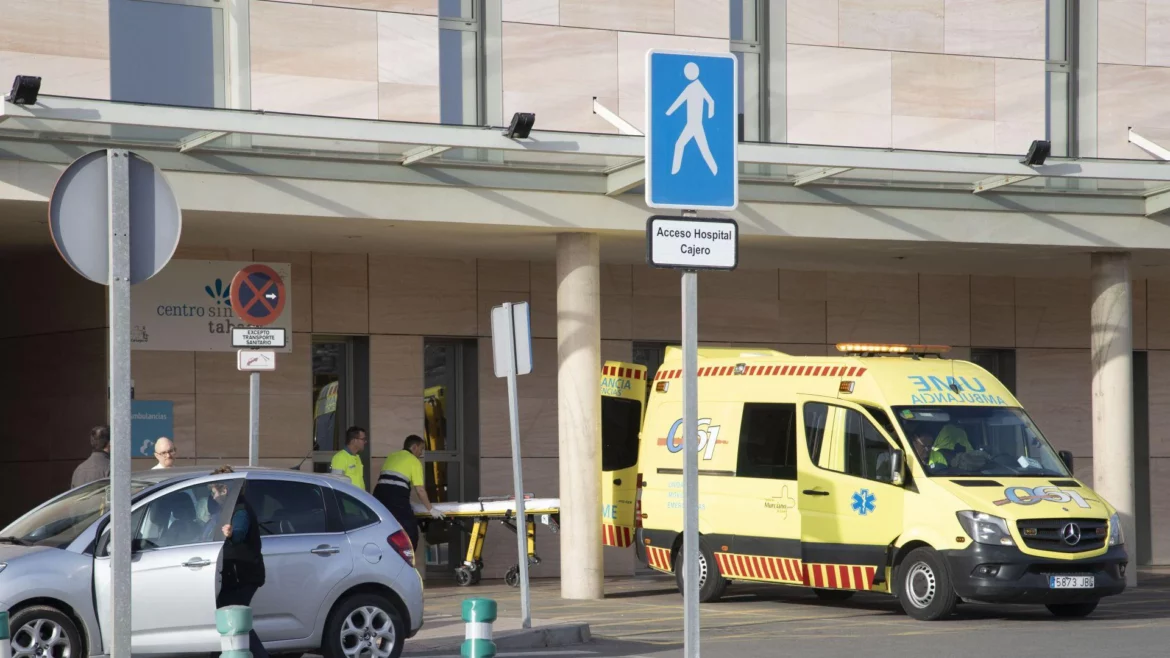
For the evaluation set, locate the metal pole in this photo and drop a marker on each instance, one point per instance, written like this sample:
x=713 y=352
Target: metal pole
x=690 y=344
x=254 y=420
x=118 y=182
x=517 y=474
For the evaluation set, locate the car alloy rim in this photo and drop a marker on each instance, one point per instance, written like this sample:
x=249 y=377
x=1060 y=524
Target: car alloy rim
x=921 y=585
x=41 y=638
x=368 y=632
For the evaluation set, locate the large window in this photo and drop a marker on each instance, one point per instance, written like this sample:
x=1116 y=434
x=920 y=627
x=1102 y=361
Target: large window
x=964 y=440
x=168 y=52
x=747 y=47
x=354 y=513
x=459 y=30
x=287 y=508
x=620 y=422
x=767 y=442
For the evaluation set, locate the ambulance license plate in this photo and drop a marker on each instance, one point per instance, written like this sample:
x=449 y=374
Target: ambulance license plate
x=1071 y=582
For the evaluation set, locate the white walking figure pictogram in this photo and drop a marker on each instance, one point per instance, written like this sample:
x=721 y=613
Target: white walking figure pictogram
x=694 y=96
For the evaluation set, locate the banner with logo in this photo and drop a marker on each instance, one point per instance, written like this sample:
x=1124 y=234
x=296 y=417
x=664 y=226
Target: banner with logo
x=187 y=307
x=150 y=420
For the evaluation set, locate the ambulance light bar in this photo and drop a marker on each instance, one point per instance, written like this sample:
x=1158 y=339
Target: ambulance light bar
x=883 y=348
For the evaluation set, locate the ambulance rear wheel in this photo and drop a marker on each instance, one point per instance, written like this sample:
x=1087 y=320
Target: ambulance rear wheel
x=924 y=586
x=712 y=584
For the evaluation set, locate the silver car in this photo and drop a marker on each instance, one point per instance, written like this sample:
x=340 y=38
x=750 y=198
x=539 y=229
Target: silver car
x=339 y=567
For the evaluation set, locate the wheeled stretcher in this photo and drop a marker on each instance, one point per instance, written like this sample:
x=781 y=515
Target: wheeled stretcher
x=474 y=518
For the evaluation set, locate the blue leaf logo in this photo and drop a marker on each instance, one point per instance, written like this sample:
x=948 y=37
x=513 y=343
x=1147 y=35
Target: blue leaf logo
x=221 y=295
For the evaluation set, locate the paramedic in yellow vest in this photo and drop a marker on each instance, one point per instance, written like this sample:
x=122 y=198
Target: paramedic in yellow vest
x=950 y=438
x=402 y=472
x=348 y=462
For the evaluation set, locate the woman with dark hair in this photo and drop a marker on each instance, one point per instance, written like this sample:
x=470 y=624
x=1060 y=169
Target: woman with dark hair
x=243 y=561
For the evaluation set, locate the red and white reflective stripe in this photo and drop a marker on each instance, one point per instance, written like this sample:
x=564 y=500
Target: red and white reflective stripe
x=769 y=371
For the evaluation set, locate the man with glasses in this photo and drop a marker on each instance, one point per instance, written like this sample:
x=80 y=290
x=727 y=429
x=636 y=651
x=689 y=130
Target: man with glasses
x=164 y=452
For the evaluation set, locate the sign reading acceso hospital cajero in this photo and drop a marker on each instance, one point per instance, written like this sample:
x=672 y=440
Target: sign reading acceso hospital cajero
x=187 y=306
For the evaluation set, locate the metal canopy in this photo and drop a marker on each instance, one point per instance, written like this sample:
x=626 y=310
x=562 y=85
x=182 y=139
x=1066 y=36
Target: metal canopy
x=614 y=161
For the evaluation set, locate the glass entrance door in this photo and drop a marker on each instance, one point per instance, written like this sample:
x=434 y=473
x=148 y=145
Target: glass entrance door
x=444 y=423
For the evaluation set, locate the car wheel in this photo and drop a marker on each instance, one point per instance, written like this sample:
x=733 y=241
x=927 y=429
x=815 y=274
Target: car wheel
x=712 y=584
x=833 y=594
x=924 y=586
x=44 y=632
x=1072 y=610
x=364 y=626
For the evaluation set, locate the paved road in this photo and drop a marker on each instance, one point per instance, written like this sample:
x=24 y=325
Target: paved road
x=643 y=617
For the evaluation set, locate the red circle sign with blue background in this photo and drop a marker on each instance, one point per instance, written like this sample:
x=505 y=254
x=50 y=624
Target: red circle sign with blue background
x=257 y=295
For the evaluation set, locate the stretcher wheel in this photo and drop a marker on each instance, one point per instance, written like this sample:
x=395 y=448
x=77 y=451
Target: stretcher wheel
x=476 y=576
x=512 y=578
x=465 y=577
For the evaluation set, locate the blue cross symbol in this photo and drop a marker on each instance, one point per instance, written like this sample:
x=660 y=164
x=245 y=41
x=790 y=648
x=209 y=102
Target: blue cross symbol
x=864 y=502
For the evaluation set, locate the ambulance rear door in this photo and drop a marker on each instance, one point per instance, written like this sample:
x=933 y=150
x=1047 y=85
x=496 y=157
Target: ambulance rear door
x=623 y=403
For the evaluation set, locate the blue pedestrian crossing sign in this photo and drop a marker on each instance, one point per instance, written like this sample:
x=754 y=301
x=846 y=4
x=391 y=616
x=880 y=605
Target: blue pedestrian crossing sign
x=692 y=122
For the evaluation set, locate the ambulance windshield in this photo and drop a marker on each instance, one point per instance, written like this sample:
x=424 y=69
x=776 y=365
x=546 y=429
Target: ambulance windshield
x=997 y=441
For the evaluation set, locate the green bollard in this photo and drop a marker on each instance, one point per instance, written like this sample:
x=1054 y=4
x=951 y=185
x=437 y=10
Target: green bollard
x=479 y=615
x=234 y=624
x=5 y=637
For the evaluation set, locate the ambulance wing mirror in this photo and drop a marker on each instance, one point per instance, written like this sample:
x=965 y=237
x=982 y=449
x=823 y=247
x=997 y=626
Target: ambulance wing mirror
x=897 y=464
x=1067 y=458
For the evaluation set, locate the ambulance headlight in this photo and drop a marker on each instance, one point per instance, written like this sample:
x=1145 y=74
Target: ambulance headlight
x=1116 y=537
x=986 y=529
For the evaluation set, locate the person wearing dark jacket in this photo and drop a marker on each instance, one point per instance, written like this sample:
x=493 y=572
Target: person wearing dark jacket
x=243 y=561
x=97 y=467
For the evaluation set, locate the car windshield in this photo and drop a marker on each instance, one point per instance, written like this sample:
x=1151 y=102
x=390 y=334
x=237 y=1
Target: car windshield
x=997 y=441
x=61 y=521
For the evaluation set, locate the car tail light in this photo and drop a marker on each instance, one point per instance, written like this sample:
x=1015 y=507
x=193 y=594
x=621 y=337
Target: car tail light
x=401 y=543
x=638 y=504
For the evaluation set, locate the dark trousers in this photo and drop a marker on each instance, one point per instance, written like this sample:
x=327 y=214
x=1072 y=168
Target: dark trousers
x=241 y=594
x=397 y=500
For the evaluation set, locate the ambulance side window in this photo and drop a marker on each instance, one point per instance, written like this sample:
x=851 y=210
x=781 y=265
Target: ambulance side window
x=620 y=419
x=767 y=442
x=867 y=454
x=815 y=419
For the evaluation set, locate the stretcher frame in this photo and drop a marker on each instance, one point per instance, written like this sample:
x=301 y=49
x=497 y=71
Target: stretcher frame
x=479 y=516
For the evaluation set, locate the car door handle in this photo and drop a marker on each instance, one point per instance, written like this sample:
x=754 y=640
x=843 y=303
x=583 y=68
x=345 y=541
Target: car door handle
x=325 y=550
x=197 y=563
x=814 y=492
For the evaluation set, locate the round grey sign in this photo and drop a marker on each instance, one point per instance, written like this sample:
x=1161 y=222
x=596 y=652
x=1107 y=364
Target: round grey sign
x=79 y=218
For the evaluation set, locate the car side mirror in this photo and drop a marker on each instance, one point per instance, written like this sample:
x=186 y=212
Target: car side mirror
x=135 y=546
x=897 y=466
x=1067 y=458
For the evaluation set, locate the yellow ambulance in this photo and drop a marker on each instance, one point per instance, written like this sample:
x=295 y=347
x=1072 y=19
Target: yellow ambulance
x=887 y=469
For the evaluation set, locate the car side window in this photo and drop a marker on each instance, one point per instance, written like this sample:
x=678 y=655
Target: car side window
x=816 y=417
x=354 y=513
x=767 y=441
x=287 y=508
x=867 y=453
x=187 y=516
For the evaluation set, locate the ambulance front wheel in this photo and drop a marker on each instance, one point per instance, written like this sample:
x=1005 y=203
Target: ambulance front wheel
x=924 y=586
x=712 y=584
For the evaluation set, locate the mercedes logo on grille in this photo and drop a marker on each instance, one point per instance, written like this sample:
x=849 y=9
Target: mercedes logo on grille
x=1071 y=534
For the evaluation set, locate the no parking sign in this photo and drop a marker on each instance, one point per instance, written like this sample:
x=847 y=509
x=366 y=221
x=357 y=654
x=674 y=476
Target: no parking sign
x=257 y=295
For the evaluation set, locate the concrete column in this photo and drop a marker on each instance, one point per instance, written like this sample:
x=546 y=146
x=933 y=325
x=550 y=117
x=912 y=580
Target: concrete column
x=1112 y=355
x=579 y=413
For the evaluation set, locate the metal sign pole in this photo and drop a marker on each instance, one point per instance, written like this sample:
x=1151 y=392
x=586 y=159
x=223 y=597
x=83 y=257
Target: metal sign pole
x=118 y=189
x=254 y=420
x=517 y=473
x=690 y=345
